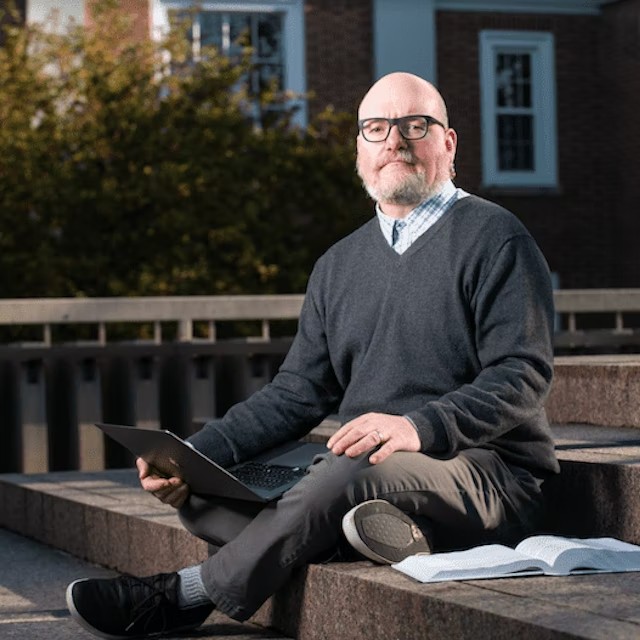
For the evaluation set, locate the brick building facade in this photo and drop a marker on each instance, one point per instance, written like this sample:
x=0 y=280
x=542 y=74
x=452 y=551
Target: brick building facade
x=571 y=221
x=544 y=95
x=588 y=224
x=619 y=40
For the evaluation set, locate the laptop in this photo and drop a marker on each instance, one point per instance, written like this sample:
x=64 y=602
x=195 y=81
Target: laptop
x=262 y=479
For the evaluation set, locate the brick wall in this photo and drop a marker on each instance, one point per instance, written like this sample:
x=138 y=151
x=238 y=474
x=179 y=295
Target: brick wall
x=620 y=121
x=339 y=54
x=137 y=10
x=573 y=226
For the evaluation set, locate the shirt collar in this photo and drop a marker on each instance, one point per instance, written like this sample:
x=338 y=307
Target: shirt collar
x=433 y=206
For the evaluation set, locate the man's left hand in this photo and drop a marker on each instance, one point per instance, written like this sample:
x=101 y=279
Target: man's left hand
x=393 y=433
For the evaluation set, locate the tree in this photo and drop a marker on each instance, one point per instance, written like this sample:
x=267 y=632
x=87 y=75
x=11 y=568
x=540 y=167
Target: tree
x=128 y=168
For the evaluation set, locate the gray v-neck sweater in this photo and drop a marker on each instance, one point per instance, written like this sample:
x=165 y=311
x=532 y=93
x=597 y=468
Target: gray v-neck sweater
x=456 y=333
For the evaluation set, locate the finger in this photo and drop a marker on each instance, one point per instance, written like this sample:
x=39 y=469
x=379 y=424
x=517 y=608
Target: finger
x=347 y=440
x=381 y=454
x=357 y=432
x=154 y=483
x=352 y=430
x=367 y=442
x=144 y=470
x=356 y=443
x=343 y=431
x=164 y=486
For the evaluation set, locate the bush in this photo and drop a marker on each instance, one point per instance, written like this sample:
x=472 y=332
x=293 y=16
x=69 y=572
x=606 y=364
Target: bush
x=120 y=178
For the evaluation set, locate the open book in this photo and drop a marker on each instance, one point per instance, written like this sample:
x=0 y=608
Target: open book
x=537 y=555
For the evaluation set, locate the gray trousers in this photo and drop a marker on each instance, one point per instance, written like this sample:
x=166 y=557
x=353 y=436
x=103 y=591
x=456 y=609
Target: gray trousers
x=471 y=499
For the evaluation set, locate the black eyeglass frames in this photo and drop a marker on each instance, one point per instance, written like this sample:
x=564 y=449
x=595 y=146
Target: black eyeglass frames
x=410 y=127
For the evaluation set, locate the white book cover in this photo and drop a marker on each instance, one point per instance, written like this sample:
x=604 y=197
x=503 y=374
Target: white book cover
x=537 y=555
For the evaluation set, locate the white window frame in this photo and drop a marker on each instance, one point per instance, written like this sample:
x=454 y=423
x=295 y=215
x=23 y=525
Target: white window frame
x=540 y=46
x=293 y=34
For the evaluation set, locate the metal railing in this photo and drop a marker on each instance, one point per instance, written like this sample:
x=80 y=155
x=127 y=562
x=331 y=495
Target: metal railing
x=614 y=301
x=51 y=392
x=583 y=312
x=183 y=310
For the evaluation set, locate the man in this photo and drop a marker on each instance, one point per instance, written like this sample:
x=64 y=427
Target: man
x=428 y=331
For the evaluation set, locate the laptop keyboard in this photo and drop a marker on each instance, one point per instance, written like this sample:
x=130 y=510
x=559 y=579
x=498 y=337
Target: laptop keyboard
x=266 y=476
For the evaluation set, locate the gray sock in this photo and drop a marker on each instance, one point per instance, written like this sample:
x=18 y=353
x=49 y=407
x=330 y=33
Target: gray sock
x=191 y=592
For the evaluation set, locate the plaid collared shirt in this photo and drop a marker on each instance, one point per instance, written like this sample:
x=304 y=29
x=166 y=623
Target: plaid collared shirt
x=401 y=234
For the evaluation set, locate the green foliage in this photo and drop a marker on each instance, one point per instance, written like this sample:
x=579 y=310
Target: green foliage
x=126 y=168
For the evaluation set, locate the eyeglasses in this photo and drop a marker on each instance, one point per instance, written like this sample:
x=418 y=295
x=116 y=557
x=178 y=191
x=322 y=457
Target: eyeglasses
x=410 y=127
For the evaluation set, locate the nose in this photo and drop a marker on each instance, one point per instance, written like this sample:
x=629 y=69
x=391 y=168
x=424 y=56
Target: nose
x=395 y=140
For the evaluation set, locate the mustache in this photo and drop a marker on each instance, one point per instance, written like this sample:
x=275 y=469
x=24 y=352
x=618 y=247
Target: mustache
x=402 y=155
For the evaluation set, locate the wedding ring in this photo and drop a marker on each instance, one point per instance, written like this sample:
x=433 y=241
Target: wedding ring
x=381 y=437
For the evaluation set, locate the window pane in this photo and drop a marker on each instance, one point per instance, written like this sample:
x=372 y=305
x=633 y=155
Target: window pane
x=231 y=31
x=515 y=142
x=269 y=36
x=268 y=51
x=211 y=29
x=513 y=80
x=239 y=32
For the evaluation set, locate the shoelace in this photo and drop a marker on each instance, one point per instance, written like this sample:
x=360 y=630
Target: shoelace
x=148 y=606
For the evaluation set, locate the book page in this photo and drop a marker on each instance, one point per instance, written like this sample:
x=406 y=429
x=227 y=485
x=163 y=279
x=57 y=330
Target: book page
x=590 y=554
x=487 y=561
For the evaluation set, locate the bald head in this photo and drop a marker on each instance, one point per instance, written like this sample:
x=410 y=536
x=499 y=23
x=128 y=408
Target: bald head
x=401 y=93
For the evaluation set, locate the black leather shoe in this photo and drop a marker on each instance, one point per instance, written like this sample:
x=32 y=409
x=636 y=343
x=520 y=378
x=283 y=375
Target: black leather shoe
x=383 y=533
x=128 y=607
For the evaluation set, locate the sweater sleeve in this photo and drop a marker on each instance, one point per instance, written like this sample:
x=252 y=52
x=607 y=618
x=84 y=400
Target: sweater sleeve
x=512 y=315
x=303 y=392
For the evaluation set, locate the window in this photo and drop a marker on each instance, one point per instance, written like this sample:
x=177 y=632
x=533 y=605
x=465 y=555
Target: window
x=261 y=31
x=517 y=88
x=274 y=30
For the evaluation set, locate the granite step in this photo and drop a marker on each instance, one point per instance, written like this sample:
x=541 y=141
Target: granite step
x=104 y=518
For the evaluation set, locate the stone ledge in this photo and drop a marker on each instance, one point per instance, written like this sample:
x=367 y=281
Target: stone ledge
x=361 y=601
x=350 y=600
x=105 y=518
x=102 y=517
x=597 y=390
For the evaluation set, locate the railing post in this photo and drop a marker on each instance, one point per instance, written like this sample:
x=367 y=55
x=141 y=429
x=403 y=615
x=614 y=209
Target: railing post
x=619 y=322
x=185 y=330
x=212 y=335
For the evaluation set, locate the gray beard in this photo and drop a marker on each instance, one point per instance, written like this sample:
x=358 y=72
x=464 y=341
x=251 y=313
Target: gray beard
x=411 y=191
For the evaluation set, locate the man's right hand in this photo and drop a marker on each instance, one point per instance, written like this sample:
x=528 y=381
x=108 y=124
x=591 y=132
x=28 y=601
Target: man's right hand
x=173 y=491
